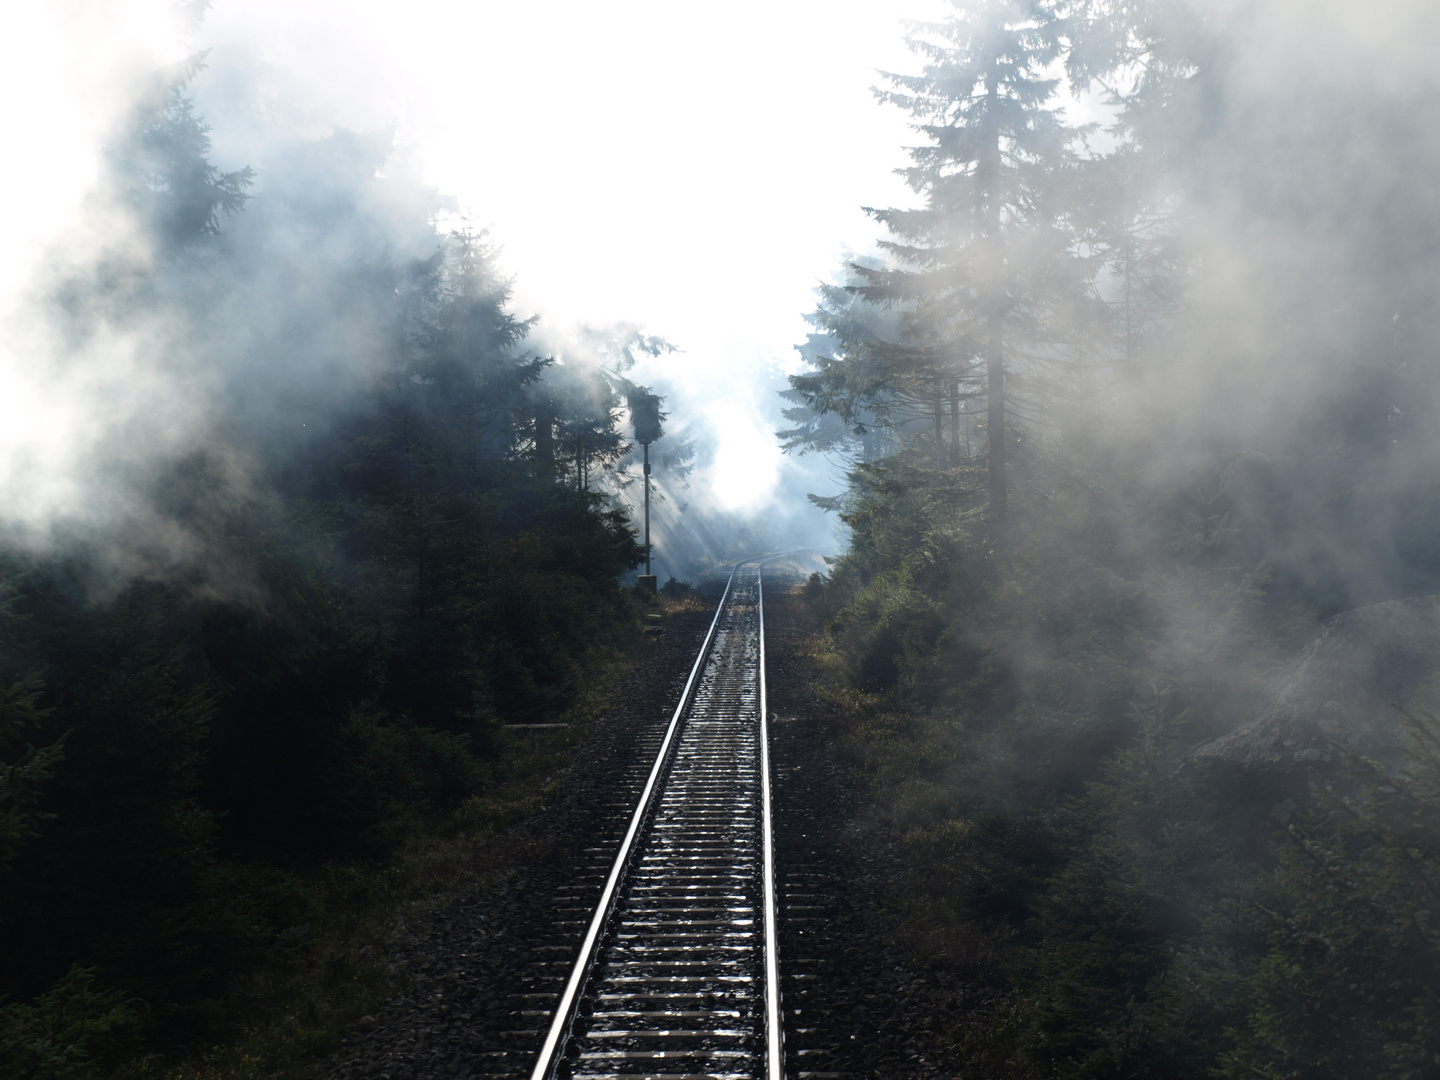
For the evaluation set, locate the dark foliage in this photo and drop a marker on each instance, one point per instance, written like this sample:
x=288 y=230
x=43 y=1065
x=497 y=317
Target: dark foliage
x=309 y=648
x=1217 y=435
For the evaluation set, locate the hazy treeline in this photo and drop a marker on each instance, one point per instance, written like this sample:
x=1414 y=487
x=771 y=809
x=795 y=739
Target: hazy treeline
x=327 y=526
x=1128 y=409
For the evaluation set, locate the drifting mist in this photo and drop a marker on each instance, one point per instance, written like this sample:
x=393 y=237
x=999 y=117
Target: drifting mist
x=1115 y=404
x=268 y=329
x=1138 y=607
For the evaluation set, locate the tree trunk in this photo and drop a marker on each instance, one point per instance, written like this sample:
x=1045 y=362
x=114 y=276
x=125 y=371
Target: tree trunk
x=995 y=314
x=544 y=437
x=939 y=402
x=995 y=376
x=1129 y=326
x=955 y=420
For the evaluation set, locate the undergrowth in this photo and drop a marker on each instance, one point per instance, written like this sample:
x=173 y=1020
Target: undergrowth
x=295 y=1015
x=1025 y=714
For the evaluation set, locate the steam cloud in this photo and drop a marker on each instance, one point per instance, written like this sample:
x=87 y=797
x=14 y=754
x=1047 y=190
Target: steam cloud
x=118 y=359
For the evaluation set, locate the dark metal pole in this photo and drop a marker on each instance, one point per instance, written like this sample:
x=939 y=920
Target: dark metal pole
x=647 y=510
x=645 y=412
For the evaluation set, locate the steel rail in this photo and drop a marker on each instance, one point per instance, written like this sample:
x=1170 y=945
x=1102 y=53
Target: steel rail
x=693 y=779
x=774 y=1029
x=545 y=1065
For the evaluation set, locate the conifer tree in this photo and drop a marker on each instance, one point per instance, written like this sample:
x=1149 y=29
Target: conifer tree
x=850 y=404
x=981 y=261
x=163 y=169
x=24 y=767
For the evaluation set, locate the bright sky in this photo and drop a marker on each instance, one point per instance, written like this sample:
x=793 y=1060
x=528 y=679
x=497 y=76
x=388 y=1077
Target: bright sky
x=695 y=168
x=662 y=161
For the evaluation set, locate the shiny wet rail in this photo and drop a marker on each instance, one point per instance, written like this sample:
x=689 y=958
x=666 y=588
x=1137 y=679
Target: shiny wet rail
x=677 y=976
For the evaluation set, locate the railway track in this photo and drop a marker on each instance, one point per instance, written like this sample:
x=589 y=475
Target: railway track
x=677 y=976
x=655 y=862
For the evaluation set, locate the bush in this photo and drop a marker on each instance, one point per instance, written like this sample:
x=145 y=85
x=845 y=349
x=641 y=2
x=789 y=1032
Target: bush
x=73 y=1031
x=1347 y=983
x=676 y=589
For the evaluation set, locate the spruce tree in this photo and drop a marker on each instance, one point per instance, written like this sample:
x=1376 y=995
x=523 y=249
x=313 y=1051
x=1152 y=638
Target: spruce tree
x=162 y=165
x=981 y=263
x=853 y=402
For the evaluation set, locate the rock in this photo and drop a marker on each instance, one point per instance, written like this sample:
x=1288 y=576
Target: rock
x=1342 y=693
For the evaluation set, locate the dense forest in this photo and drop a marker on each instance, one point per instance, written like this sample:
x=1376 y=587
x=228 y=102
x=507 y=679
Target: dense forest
x=356 y=529
x=1129 y=410
x=1135 y=411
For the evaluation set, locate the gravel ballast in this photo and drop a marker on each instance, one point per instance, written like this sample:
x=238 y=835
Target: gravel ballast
x=476 y=981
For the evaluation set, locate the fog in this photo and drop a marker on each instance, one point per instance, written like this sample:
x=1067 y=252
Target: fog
x=641 y=167
x=692 y=177
x=1093 y=341
x=1144 y=527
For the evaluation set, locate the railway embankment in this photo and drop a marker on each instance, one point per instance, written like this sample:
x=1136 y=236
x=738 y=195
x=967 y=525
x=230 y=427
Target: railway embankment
x=473 y=983
x=858 y=1001
x=460 y=974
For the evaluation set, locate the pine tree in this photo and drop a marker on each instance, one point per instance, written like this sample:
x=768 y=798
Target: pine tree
x=163 y=169
x=980 y=265
x=850 y=404
x=24 y=767
x=1348 y=985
